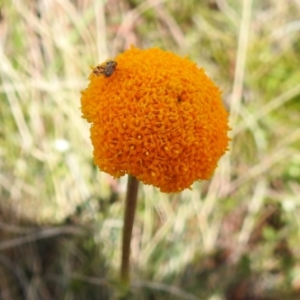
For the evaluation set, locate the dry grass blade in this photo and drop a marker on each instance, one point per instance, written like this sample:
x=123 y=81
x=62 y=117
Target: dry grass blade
x=41 y=234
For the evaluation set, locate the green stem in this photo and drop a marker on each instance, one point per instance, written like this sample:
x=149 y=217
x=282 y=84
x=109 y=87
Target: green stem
x=130 y=206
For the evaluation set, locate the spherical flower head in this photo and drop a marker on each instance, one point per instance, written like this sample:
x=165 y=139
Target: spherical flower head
x=158 y=117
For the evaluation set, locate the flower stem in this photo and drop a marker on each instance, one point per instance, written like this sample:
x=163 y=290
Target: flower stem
x=130 y=206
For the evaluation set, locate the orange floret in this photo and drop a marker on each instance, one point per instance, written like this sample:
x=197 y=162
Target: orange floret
x=158 y=117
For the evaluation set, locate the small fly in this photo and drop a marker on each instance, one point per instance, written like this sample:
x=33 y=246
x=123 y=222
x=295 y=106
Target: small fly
x=106 y=69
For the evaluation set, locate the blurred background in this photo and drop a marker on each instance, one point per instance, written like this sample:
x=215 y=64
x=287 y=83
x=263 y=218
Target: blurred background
x=235 y=237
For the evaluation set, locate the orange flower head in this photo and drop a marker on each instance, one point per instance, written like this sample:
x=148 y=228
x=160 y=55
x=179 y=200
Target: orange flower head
x=156 y=116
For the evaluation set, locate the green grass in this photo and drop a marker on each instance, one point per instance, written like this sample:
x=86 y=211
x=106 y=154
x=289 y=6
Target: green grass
x=233 y=237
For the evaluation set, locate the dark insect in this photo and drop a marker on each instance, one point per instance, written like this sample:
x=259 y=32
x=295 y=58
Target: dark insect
x=106 y=69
